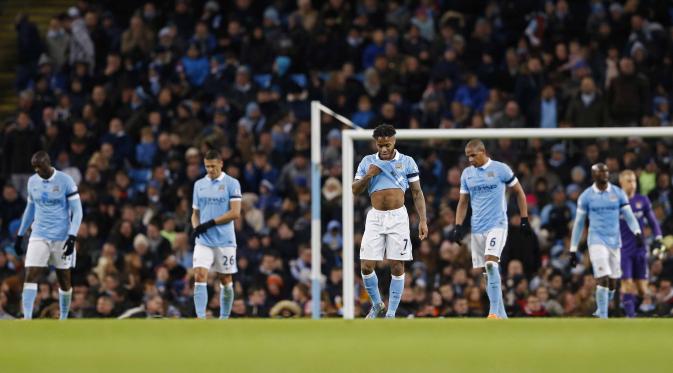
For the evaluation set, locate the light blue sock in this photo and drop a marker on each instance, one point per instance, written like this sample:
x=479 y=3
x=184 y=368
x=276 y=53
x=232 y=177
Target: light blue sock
x=200 y=299
x=502 y=313
x=396 y=289
x=611 y=295
x=226 y=299
x=372 y=286
x=493 y=288
x=602 y=299
x=64 y=298
x=28 y=299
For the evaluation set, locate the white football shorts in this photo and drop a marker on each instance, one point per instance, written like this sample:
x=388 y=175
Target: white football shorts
x=487 y=243
x=605 y=261
x=386 y=235
x=43 y=253
x=220 y=259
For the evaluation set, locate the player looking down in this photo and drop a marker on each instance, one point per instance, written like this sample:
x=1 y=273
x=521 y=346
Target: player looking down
x=483 y=185
x=54 y=211
x=602 y=203
x=386 y=176
x=216 y=203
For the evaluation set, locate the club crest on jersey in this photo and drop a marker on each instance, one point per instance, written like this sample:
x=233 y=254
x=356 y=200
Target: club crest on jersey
x=490 y=174
x=613 y=197
x=221 y=188
x=639 y=205
x=399 y=166
x=55 y=189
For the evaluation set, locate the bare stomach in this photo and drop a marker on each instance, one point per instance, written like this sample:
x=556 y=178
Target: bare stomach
x=387 y=199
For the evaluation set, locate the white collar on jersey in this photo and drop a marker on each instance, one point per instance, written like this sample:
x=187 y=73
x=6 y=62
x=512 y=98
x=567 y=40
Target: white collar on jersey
x=395 y=158
x=219 y=178
x=53 y=175
x=485 y=165
x=595 y=188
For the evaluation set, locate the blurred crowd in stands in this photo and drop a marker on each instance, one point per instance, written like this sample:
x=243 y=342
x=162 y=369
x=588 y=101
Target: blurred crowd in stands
x=126 y=96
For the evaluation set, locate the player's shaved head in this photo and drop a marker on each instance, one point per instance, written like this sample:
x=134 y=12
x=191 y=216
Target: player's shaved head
x=475 y=151
x=41 y=156
x=41 y=163
x=600 y=174
x=476 y=144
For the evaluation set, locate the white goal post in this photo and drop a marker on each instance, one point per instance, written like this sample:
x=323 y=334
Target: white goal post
x=347 y=157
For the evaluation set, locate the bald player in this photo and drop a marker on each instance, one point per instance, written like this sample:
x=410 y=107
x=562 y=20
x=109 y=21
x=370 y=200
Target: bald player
x=54 y=212
x=603 y=203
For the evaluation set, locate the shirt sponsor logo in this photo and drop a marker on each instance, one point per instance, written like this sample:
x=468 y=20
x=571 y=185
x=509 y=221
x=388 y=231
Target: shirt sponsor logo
x=483 y=188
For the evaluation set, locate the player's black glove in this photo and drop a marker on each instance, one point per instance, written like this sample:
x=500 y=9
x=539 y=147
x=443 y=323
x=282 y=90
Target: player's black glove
x=69 y=246
x=18 y=245
x=525 y=226
x=457 y=233
x=202 y=228
x=639 y=240
x=573 y=260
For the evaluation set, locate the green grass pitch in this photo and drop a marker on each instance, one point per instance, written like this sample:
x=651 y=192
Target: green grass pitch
x=420 y=345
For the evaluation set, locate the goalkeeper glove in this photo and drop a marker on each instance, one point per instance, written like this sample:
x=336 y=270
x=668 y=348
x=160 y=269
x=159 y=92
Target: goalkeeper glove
x=202 y=228
x=18 y=245
x=658 y=248
x=69 y=246
x=525 y=226
x=457 y=233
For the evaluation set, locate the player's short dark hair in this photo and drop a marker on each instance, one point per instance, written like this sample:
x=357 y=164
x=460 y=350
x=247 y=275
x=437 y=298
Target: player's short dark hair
x=212 y=155
x=384 y=130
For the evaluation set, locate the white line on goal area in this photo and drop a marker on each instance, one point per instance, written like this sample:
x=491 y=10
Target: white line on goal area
x=347 y=159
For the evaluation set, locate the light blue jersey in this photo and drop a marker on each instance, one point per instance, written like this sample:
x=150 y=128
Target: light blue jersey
x=53 y=208
x=211 y=198
x=486 y=187
x=396 y=173
x=603 y=209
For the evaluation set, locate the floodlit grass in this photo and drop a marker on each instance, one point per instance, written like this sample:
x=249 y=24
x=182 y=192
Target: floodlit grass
x=420 y=345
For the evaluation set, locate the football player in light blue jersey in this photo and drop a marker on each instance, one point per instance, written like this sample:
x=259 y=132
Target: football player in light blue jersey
x=483 y=185
x=602 y=203
x=386 y=176
x=54 y=211
x=216 y=204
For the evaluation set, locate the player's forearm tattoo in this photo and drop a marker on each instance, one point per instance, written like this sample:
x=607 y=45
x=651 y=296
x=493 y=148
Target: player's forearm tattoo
x=419 y=200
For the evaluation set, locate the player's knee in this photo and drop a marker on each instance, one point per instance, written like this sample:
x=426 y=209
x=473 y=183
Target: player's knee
x=397 y=268
x=226 y=279
x=366 y=267
x=200 y=275
x=490 y=264
x=33 y=274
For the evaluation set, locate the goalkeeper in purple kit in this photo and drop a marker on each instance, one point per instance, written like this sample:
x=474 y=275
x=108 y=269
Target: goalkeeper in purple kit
x=634 y=255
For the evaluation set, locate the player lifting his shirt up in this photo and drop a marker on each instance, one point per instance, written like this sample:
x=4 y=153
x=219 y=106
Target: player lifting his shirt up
x=387 y=175
x=483 y=186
